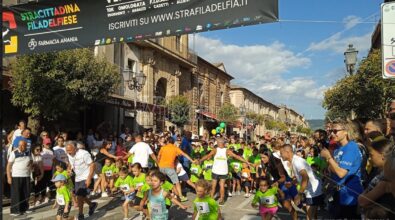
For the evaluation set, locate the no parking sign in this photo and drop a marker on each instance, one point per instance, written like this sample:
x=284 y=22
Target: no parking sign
x=388 y=39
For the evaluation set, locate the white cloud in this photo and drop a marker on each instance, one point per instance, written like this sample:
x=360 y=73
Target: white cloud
x=262 y=69
x=351 y=21
x=338 y=44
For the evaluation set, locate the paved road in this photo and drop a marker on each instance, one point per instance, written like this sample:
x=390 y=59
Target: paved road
x=235 y=208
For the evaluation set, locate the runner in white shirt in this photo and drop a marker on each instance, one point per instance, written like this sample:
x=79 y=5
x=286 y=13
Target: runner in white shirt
x=141 y=152
x=220 y=167
x=310 y=185
x=84 y=168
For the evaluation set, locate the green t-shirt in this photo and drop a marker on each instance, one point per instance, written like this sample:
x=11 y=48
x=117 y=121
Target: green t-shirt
x=196 y=171
x=207 y=169
x=247 y=153
x=116 y=170
x=108 y=171
x=69 y=183
x=267 y=199
x=256 y=160
x=235 y=146
x=167 y=186
x=235 y=165
x=207 y=208
x=139 y=181
x=63 y=196
x=124 y=184
x=143 y=189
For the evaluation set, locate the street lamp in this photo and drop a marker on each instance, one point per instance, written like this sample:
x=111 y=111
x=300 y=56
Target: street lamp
x=243 y=112
x=350 y=58
x=135 y=82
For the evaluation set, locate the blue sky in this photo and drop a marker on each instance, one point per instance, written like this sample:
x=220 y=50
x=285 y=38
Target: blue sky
x=293 y=62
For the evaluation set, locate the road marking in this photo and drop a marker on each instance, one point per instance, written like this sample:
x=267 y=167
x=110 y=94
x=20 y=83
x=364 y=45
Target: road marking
x=248 y=200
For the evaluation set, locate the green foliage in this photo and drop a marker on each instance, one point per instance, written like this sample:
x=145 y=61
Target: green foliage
x=50 y=84
x=365 y=93
x=179 y=108
x=276 y=125
x=255 y=118
x=303 y=130
x=228 y=113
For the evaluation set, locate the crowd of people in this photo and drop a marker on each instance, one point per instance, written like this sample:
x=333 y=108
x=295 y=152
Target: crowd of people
x=347 y=169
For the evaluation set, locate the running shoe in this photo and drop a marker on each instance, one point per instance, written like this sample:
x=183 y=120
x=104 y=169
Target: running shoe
x=92 y=208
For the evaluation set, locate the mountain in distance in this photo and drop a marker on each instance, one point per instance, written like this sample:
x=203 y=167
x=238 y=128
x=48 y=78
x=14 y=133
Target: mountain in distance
x=316 y=124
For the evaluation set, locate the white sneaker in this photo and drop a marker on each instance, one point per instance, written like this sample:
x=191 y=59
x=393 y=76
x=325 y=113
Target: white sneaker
x=46 y=200
x=38 y=203
x=247 y=195
x=229 y=194
x=104 y=195
x=93 y=193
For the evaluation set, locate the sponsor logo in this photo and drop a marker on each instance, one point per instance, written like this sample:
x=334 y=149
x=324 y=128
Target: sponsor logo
x=11 y=43
x=32 y=44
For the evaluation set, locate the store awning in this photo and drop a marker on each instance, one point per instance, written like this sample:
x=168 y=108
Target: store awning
x=127 y=103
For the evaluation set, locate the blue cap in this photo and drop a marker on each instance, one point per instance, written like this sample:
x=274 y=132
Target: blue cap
x=59 y=177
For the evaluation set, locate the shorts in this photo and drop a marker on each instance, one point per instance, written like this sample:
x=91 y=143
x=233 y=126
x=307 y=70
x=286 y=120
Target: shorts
x=61 y=212
x=264 y=210
x=98 y=168
x=236 y=176
x=289 y=193
x=171 y=173
x=219 y=177
x=80 y=189
x=137 y=201
x=246 y=184
x=183 y=178
x=315 y=201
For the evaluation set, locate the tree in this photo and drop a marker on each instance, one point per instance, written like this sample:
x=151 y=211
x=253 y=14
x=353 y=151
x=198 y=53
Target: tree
x=256 y=119
x=48 y=85
x=179 y=108
x=276 y=125
x=228 y=113
x=364 y=93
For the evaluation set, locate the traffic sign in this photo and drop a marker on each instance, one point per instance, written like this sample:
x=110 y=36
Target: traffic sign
x=388 y=39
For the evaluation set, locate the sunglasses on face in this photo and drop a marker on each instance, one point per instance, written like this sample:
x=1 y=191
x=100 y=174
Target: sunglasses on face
x=334 y=131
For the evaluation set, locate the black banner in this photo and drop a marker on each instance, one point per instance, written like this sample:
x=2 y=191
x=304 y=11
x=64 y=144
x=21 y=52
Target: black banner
x=58 y=24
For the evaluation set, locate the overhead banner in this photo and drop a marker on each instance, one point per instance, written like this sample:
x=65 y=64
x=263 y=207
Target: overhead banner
x=65 y=24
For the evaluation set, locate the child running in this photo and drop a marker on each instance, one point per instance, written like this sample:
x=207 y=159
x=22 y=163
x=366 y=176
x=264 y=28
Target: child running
x=267 y=199
x=60 y=168
x=204 y=205
x=157 y=198
x=125 y=183
x=63 y=197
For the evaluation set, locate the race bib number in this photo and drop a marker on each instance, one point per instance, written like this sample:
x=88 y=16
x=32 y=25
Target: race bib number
x=202 y=207
x=194 y=170
x=236 y=166
x=268 y=200
x=209 y=166
x=244 y=174
x=156 y=209
x=109 y=173
x=139 y=184
x=60 y=199
x=125 y=187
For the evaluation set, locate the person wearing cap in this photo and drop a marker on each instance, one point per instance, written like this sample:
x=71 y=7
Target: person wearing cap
x=18 y=176
x=63 y=197
x=48 y=157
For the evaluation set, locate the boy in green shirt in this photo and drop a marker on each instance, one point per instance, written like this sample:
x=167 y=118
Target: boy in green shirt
x=196 y=170
x=63 y=197
x=207 y=168
x=206 y=206
x=235 y=168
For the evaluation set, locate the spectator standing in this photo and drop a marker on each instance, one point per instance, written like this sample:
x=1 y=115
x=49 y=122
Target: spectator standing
x=141 y=152
x=25 y=137
x=18 y=131
x=18 y=176
x=60 y=151
x=345 y=167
